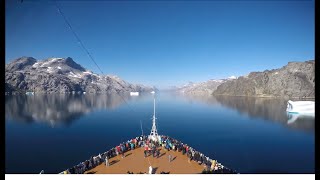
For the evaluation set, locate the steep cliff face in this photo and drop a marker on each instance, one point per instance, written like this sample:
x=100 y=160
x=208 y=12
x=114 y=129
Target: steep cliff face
x=61 y=75
x=296 y=79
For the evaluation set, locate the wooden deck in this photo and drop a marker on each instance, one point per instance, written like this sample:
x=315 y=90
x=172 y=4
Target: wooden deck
x=134 y=161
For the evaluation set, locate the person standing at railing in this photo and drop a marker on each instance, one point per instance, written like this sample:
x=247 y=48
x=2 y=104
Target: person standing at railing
x=213 y=164
x=107 y=162
x=122 y=154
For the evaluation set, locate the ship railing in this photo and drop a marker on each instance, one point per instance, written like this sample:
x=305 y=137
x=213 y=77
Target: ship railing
x=144 y=137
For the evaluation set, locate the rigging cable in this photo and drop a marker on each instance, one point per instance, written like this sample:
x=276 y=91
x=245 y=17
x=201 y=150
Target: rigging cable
x=86 y=51
x=141 y=127
x=76 y=36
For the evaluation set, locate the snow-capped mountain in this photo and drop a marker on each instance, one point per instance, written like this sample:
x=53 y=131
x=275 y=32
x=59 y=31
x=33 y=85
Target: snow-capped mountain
x=62 y=75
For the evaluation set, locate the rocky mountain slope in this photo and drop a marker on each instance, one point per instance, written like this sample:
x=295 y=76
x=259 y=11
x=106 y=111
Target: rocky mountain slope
x=202 y=88
x=296 y=79
x=61 y=75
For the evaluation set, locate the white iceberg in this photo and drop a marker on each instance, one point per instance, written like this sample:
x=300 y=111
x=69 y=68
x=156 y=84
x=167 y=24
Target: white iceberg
x=134 y=93
x=300 y=107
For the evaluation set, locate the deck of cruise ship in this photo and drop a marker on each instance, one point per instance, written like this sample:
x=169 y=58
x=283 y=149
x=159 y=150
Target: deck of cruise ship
x=134 y=161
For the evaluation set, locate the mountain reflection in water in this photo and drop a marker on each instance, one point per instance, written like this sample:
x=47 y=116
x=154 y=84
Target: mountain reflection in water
x=58 y=109
x=65 y=108
x=272 y=109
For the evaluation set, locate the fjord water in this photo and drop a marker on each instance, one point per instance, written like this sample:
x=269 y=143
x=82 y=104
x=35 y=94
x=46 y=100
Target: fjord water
x=250 y=135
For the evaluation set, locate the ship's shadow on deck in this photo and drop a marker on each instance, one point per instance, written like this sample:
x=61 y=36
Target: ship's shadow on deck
x=114 y=162
x=92 y=172
x=162 y=154
x=173 y=159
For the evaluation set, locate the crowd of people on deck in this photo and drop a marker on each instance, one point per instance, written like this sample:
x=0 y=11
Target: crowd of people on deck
x=151 y=147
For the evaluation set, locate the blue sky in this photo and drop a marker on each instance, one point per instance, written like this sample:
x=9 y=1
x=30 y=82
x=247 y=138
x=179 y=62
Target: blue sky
x=165 y=43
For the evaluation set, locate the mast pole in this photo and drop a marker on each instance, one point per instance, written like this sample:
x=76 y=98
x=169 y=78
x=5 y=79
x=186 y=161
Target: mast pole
x=154 y=132
x=154 y=107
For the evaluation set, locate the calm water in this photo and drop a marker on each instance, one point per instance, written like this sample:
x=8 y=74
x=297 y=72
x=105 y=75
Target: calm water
x=249 y=135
